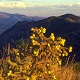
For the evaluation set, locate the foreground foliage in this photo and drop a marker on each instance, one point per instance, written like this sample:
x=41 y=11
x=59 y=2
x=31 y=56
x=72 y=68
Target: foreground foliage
x=39 y=59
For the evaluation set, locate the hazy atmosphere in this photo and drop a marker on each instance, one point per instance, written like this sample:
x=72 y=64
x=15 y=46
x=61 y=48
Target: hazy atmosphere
x=40 y=7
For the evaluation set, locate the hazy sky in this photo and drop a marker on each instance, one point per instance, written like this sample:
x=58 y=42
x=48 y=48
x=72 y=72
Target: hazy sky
x=40 y=7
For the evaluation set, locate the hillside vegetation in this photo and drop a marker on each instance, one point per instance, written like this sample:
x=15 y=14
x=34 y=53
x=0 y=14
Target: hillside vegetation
x=39 y=59
x=66 y=26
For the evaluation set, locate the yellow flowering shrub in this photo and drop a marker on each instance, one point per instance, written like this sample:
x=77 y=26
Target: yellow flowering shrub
x=70 y=49
x=37 y=59
x=52 y=36
x=62 y=42
x=9 y=73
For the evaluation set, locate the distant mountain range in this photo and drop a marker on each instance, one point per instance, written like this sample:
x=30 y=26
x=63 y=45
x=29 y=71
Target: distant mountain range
x=7 y=20
x=66 y=26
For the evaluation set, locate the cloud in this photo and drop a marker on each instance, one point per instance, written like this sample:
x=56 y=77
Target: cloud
x=20 y=6
x=13 y=5
x=74 y=7
x=24 y=5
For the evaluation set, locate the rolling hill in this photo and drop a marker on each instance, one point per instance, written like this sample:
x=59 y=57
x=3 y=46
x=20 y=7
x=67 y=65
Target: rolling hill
x=7 y=20
x=66 y=26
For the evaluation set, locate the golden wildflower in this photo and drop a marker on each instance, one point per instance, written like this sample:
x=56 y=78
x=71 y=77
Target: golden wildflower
x=49 y=72
x=41 y=34
x=43 y=30
x=34 y=77
x=52 y=36
x=62 y=42
x=32 y=29
x=33 y=41
x=60 y=62
x=54 y=77
x=58 y=38
x=70 y=49
x=17 y=53
x=63 y=55
x=58 y=47
x=66 y=53
x=45 y=72
x=57 y=59
x=59 y=54
x=47 y=50
x=40 y=75
x=28 y=78
x=48 y=45
x=39 y=31
x=31 y=47
x=9 y=73
x=48 y=65
x=33 y=36
x=36 y=52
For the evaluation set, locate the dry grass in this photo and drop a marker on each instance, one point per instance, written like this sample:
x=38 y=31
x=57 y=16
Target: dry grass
x=67 y=73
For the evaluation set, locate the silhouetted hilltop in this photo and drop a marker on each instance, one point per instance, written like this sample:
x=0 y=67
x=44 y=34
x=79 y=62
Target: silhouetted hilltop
x=7 y=20
x=60 y=26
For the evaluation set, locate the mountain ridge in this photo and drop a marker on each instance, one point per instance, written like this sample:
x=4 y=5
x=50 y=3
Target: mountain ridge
x=51 y=22
x=71 y=16
x=7 y=20
x=60 y=26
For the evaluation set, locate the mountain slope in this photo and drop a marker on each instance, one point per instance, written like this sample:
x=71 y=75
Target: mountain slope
x=58 y=25
x=7 y=20
x=70 y=30
x=72 y=17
